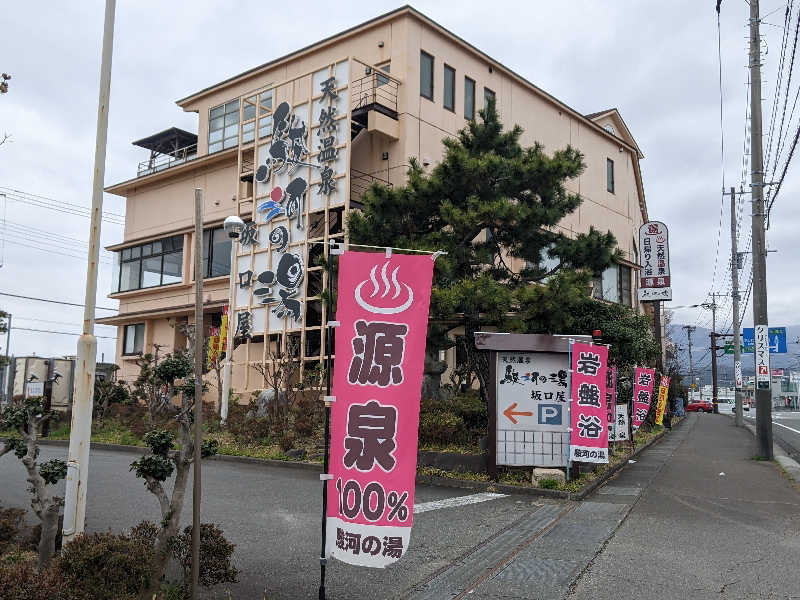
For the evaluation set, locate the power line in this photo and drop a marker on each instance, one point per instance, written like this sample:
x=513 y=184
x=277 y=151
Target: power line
x=61 y=238
x=18 y=318
x=53 y=200
x=62 y=207
x=54 y=301
x=105 y=337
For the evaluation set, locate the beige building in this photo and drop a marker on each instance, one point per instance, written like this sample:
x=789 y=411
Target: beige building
x=291 y=145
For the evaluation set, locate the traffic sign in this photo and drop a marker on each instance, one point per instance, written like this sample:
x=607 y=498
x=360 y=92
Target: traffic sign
x=777 y=341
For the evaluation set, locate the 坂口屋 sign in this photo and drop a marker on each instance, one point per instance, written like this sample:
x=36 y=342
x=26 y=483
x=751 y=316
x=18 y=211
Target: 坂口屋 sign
x=531 y=411
x=380 y=350
x=655 y=282
x=588 y=441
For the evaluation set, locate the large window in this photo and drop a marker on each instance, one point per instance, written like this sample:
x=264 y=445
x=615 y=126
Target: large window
x=449 y=88
x=610 y=175
x=216 y=253
x=487 y=94
x=469 y=99
x=425 y=75
x=614 y=285
x=133 y=340
x=223 y=127
x=152 y=264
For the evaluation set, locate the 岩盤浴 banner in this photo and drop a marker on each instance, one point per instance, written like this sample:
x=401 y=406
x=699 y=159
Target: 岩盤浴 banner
x=663 y=389
x=377 y=377
x=588 y=438
x=611 y=400
x=643 y=380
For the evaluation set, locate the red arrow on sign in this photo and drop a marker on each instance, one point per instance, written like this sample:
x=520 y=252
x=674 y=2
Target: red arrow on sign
x=509 y=412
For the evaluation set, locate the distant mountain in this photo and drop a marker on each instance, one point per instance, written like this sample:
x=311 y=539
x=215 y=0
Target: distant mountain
x=701 y=342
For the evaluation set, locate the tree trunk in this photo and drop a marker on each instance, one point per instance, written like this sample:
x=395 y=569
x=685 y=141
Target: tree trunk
x=47 y=541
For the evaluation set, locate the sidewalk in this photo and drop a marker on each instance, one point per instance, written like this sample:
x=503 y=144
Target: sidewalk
x=541 y=554
x=696 y=533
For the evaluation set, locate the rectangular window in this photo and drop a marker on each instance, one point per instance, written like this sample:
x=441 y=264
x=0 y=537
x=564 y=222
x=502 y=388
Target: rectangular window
x=610 y=175
x=223 y=127
x=449 y=88
x=150 y=265
x=382 y=79
x=469 y=99
x=625 y=285
x=487 y=93
x=216 y=253
x=133 y=342
x=425 y=75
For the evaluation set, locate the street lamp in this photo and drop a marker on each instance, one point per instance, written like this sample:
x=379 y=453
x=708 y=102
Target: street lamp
x=233 y=226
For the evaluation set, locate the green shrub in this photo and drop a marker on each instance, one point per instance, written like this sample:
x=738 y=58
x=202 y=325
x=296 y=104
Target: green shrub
x=105 y=565
x=440 y=428
x=215 y=555
x=548 y=484
x=10 y=522
x=20 y=580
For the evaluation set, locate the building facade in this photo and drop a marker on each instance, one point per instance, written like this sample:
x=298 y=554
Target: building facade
x=291 y=146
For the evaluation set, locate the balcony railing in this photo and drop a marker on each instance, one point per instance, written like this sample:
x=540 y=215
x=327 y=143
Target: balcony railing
x=360 y=183
x=377 y=90
x=161 y=162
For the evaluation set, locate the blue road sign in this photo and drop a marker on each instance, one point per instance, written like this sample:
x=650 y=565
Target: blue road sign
x=777 y=340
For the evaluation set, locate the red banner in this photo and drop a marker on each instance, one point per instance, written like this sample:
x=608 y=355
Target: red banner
x=643 y=380
x=588 y=438
x=377 y=378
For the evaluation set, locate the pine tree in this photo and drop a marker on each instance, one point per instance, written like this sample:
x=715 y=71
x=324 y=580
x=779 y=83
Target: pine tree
x=494 y=207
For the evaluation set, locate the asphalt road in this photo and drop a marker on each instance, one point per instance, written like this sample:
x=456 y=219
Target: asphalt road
x=272 y=514
x=785 y=430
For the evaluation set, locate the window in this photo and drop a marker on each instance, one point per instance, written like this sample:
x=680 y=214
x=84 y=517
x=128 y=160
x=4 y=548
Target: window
x=223 y=127
x=449 y=88
x=487 y=93
x=133 y=339
x=469 y=99
x=625 y=285
x=150 y=265
x=216 y=252
x=382 y=79
x=425 y=75
x=610 y=175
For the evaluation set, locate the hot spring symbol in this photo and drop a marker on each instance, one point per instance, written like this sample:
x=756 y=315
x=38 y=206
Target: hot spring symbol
x=387 y=287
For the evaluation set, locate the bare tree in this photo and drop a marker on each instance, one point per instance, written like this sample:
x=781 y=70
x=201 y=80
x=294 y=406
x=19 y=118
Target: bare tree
x=26 y=418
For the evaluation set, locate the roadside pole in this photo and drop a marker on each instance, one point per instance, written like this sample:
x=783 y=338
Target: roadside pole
x=737 y=337
x=763 y=393
x=198 y=384
x=81 y=431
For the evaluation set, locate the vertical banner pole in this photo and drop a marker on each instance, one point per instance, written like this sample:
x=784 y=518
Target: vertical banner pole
x=326 y=460
x=569 y=407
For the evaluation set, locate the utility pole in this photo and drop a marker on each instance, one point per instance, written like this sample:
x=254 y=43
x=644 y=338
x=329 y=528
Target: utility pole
x=763 y=393
x=199 y=336
x=81 y=431
x=657 y=320
x=737 y=337
x=6 y=365
x=713 y=336
x=689 y=331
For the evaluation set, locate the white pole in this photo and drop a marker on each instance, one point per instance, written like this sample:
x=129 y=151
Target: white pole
x=80 y=434
x=226 y=372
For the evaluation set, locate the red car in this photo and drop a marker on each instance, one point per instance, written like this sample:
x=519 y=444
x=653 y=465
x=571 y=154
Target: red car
x=700 y=406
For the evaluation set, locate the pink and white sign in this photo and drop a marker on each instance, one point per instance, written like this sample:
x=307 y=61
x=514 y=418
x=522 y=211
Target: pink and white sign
x=377 y=377
x=643 y=380
x=588 y=439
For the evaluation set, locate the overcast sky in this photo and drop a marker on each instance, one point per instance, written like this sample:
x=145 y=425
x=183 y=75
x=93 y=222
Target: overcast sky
x=656 y=61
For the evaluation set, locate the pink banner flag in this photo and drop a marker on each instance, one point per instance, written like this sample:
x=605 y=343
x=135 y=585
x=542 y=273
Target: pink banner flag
x=588 y=438
x=643 y=380
x=377 y=378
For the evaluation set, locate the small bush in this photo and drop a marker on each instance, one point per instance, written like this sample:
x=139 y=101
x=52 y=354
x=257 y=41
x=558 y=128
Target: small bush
x=105 y=565
x=215 y=555
x=440 y=428
x=548 y=484
x=10 y=523
x=20 y=580
x=145 y=532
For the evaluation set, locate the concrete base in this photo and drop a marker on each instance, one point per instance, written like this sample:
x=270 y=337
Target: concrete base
x=540 y=473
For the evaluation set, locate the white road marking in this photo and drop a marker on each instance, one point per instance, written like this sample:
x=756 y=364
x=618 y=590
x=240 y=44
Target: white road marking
x=778 y=424
x=454 y=502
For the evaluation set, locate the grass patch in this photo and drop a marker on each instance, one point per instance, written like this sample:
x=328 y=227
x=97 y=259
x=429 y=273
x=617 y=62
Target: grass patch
x=465 y=475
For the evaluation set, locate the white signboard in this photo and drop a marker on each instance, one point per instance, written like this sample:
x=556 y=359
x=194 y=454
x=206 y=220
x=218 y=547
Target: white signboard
x=532 y=423
x=654 y=277
x=618 y=431
x=737 y=367
x=762 y=357
x=34 y=389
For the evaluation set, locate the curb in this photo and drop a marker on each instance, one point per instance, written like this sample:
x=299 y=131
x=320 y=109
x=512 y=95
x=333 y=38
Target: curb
x=789 y=465
x=467 y=484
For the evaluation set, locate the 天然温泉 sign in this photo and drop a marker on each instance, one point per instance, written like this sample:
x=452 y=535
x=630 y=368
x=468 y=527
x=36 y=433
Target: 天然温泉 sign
x=655 y=282
x=380 y=350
